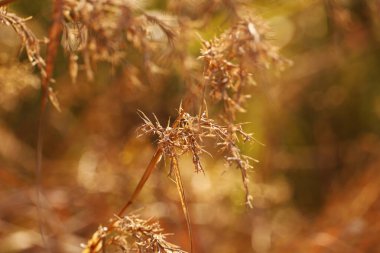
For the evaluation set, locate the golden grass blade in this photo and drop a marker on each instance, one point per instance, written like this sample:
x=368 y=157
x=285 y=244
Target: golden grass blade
x=181 y=192
x=148 y=171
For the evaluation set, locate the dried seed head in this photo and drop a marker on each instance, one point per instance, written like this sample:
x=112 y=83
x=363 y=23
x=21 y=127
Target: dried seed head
x=130 y=234
x=231 y=57
x=74 y=37
x=28 y=39
x=103 y=30
x=187 y=136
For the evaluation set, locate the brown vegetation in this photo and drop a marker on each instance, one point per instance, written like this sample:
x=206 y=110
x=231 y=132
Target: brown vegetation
x=107 y=65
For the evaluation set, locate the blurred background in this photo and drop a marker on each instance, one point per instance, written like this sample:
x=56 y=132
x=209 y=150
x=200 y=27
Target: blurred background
x=315 y=188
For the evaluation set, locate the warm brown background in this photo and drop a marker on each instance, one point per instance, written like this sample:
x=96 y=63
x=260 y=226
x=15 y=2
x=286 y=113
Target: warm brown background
x=316 y=188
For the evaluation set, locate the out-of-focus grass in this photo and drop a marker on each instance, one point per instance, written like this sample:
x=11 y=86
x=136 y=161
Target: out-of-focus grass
x=315 y=187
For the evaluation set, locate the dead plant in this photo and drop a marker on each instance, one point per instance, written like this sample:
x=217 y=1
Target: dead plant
x=105 y=30
x=130 y=234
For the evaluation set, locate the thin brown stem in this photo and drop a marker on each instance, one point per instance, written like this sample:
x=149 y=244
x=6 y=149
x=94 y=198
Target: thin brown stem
x=55 y=30
x=181 y=192
x=148 y=171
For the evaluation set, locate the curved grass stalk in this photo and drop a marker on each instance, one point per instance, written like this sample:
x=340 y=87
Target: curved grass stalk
x=54 y=32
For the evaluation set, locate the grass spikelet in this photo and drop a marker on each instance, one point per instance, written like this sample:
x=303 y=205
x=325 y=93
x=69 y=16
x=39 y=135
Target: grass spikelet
x=130 y=234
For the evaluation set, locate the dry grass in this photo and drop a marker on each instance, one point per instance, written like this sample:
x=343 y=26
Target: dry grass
x=130 y=234
x=106 y=31
x=103 y=30
x=27 y=37
x=316 y=188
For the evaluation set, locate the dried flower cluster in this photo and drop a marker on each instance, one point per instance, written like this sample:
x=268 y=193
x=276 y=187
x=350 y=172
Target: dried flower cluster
x=229 y=63
x=176 y=141
x=187 y=135
x=28 y=39
x=130 y=234
x=103 y=30
x=230 y=58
